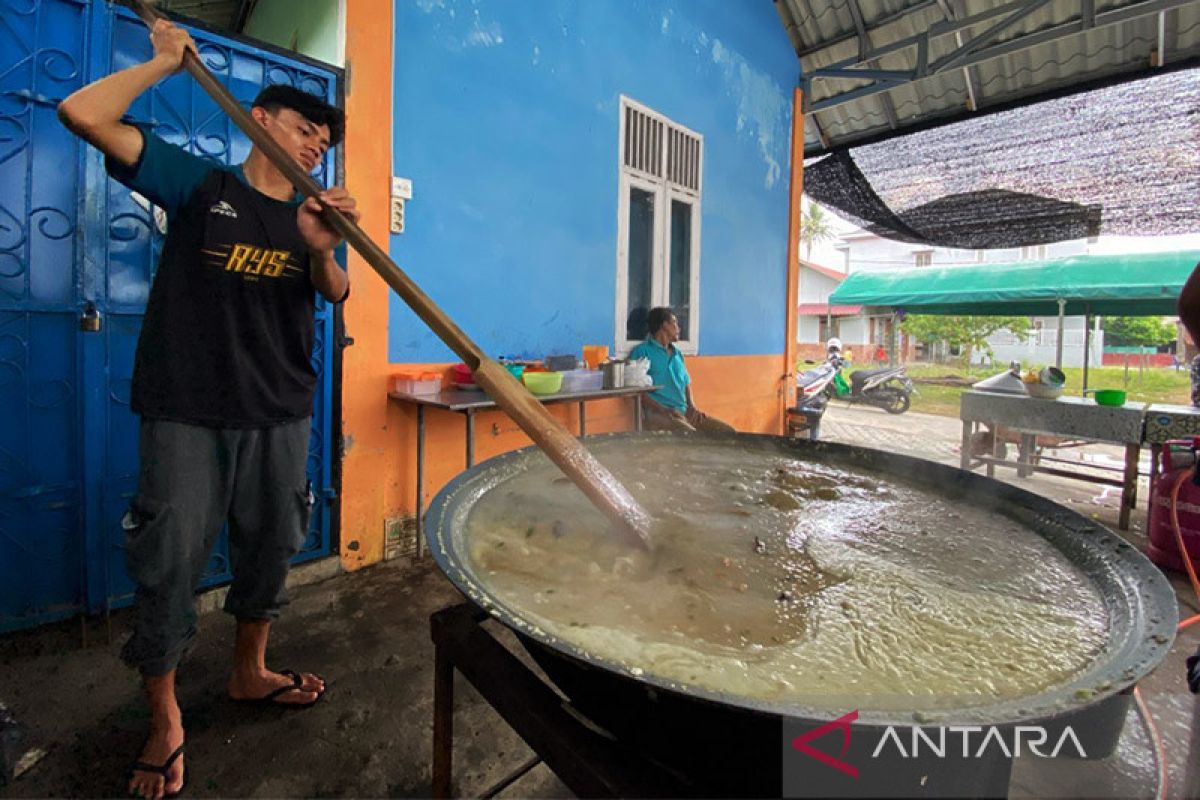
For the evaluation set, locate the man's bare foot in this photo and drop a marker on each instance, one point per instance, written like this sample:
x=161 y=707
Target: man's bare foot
x=165 y=738
x=259 y=684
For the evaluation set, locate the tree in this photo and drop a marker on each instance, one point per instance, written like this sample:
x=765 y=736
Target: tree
x=969 y=333
x=1137 y=331
x=815 y=227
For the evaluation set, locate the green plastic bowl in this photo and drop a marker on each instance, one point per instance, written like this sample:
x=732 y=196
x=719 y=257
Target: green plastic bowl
x=543 y=382
x=1109 y=397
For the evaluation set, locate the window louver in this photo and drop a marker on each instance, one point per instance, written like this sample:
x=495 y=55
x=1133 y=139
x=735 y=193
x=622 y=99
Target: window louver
x=659 y=149
x=643 y=142
x=683 y=159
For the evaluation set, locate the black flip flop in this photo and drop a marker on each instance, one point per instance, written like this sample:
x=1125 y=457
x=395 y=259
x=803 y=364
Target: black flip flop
x=142 y=766
x=269 y=699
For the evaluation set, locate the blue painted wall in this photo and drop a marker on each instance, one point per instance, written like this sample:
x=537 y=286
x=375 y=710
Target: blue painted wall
x=506 y=120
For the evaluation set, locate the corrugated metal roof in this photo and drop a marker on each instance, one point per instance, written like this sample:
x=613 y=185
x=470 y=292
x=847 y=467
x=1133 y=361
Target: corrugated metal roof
x=1047 y=49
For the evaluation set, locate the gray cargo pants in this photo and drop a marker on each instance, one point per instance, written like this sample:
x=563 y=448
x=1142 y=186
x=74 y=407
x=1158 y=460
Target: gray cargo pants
x=192 y=480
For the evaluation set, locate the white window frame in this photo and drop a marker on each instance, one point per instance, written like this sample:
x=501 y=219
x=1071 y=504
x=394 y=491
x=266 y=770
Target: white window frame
x=693 y=200
x=664 y=192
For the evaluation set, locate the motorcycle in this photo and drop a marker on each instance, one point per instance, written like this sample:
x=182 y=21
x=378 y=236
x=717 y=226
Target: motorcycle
x=812 y=398
x=888 y=388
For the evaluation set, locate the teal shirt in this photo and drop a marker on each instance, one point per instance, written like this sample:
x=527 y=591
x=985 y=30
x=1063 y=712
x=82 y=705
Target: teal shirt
x=666 y=370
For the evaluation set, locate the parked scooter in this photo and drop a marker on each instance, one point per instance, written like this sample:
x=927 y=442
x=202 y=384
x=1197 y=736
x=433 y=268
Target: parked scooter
x=888 y=388
x=812 y=398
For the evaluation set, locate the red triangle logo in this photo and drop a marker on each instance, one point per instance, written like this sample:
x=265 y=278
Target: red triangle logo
x=800 y=743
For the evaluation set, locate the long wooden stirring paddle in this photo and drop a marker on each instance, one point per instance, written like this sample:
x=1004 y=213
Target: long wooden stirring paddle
x=592 y=477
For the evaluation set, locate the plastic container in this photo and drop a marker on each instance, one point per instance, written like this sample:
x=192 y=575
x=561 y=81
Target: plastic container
x=561 y=363
x=594 y=355
x=543 y=382
x=517 y=370
x=417 y=382
x=582 y=380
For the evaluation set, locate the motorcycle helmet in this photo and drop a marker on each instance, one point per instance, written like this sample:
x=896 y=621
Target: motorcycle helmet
x=833 y=344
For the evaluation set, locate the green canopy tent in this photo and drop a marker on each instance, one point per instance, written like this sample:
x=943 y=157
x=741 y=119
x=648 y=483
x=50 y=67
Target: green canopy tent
x=1138 y=284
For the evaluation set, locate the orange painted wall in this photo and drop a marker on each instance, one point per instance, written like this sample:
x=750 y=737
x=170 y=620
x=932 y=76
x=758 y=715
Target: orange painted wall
x=370 y=460
x=795 y=193
x=742 y=390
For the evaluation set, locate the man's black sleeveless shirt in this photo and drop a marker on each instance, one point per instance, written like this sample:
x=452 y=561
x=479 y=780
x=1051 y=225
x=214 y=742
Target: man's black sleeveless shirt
x=228 y=333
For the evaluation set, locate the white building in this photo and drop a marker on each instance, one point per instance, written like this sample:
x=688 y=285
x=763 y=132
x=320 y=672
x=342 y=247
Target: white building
x=862 y=251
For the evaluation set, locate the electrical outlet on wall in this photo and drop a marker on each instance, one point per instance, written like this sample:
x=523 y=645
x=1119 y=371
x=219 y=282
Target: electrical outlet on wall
x=397 y=215
x=401 y=192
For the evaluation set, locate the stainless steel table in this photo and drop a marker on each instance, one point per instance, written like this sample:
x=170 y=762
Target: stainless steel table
x=468 y=403
x=1066 y=416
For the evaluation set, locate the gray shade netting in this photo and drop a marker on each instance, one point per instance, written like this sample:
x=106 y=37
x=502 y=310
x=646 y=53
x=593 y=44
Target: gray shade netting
x=1122 y=160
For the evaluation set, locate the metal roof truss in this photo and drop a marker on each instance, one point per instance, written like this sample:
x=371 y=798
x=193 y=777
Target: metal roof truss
x=970 y=48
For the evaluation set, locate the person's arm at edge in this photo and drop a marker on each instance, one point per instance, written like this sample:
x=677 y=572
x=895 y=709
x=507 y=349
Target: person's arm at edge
x=657 y=406
x=94 y=112
x=1188 y=305
x=693 y=414
x=327 y=277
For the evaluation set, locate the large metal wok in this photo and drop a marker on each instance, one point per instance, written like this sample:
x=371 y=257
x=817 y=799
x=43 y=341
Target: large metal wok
x=733 y=745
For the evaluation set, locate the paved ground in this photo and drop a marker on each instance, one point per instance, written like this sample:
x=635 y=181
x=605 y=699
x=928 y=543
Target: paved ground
x=368 y=634
x=938 y=439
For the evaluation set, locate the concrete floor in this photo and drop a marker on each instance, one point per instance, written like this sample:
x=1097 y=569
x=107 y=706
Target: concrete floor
x=368 y=634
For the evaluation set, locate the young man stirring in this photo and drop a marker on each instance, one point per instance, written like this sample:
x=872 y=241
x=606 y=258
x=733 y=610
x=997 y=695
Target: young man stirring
x=223 y=383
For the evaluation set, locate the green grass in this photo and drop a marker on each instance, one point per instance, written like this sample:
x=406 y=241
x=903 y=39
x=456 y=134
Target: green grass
x=1154 y=385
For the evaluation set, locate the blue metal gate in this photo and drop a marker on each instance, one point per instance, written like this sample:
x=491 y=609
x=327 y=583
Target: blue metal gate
x=72 y=240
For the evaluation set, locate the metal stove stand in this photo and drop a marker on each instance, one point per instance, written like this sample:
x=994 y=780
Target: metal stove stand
x=589 y=762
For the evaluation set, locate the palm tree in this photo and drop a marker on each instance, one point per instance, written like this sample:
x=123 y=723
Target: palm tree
x=815 y=227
